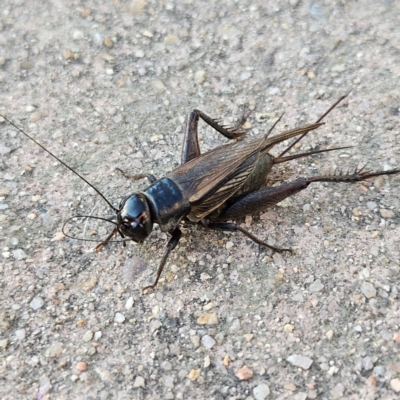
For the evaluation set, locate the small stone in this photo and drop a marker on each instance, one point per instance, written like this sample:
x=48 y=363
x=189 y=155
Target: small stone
x=119 y=318
x=166 y=366
x=88 y=336
x=20 y=334
x=3 y=344
x=248 y=337
x=19 y=254
x=36 y=303
x=139 y=382
x=290 y=386
x=312 y=394
x=129 y=303
x=337 y=391
x=78 y=35
x=229 y=245
x=207 y=341
x=367 y=363
x=208 y=319
x=288 y=328
x=245 y=75
x=261 y=391
x=207 y=361
x=86 y=12
x=6 y=254
x=395 y=384
x=81 y=366
x=97 y=336
x=54 y=350
x=329 y=334
x=2 y=61
x=154 y=325
x=396 y=336
x=108 y=42
x=195 y=340
x=244 y=373
x=32 y=216
x=194 y=374
x=316 y=286
x=226 y=361
x=386 y=213
x=300 y=361
x=68 y=54
x=368 y=290
x=371 y=205
x=139 y=53
x=171 y=39
x=58 y=236
x=200 y=77
x=159 y=84
x=4 y=150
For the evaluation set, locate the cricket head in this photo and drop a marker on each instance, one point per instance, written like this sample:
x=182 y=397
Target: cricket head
x=134 y=217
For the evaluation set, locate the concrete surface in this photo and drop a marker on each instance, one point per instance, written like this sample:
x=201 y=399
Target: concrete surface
x=106 y=84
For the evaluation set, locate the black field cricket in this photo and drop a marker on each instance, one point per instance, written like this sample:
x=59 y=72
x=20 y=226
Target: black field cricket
x=224 y=184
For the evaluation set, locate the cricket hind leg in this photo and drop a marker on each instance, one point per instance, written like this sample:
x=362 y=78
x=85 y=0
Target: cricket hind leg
x=267 y=197
x=191 y=146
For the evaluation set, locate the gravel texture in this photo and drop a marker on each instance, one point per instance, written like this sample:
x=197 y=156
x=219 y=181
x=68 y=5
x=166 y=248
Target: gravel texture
x=107 y=84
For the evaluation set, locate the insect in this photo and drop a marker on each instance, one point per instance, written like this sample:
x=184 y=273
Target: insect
x=224 y=184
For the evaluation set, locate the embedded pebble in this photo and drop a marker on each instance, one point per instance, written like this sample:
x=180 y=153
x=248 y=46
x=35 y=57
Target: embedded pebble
x=371 y=205
x=395 y=384
x=87 y=337
x=316 y=286
x=337 y=391
x=36 y=303
x=3 y=343
x=288 y=328
x=245 y=75
x=367 y=363
x=97 y=336
x=329 y=334
x=229 y=245
x=20 y=334
x=4 y=150
x=386 y=213
x=300 y=361
x=207 y=341
x=154 y=325
x=81 y=366
x=208 y=319
x=108 y=42
x=19 y=254
x=129 y=303
x=200 y=77
x=139 y=382
x=261 y=391
x=54 y=350
x=368 y=290
x=194 y=374
x=32 y=216
x=78 y=35
x=207 y=361
x=119 y=318
x=244 y=373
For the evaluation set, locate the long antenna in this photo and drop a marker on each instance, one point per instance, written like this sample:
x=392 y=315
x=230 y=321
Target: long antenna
x=62 y=162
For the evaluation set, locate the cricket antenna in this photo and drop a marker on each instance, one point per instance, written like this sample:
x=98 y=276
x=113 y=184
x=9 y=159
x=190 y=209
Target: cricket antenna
x=62 y=162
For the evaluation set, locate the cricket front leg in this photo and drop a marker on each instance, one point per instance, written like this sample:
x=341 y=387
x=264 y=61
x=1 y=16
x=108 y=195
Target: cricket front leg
x=176 y=235
x=191 y=146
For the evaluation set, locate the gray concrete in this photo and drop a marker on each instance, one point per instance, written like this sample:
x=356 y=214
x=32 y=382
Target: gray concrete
x=106 y=84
